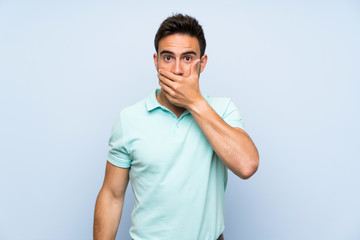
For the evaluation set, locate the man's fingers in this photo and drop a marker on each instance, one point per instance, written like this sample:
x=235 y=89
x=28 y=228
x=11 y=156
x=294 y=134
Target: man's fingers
x=194 y=67
x=166 y=88
x=169 y=75
x=173 y=77
x=165 y=80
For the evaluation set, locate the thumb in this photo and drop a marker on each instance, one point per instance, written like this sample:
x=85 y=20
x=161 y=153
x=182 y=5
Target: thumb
x=194 y=68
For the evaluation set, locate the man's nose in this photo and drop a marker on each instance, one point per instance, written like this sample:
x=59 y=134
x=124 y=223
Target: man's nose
x=177 y=68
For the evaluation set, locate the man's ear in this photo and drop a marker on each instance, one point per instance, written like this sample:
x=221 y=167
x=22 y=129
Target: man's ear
x=155 y=61
x=203 y=62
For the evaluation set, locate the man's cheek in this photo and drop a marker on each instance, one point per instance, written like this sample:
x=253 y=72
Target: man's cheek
x=188 y=71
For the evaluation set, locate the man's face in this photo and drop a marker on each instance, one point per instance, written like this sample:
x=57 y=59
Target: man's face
x=177 y=52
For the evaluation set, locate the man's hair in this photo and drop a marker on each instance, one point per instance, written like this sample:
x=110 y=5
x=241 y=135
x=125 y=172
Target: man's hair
x=181 y=24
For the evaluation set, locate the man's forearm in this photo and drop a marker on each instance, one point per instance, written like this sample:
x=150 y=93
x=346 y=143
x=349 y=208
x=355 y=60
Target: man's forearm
x=233 y=146
x=107 y=216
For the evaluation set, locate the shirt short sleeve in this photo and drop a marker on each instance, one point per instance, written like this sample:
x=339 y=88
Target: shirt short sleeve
x=118 y=153
x=232 y=116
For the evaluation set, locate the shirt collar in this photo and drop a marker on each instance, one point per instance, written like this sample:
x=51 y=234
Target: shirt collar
x=152 y=102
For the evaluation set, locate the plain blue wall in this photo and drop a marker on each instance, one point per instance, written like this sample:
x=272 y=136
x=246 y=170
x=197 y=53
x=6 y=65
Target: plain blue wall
x=68 y=67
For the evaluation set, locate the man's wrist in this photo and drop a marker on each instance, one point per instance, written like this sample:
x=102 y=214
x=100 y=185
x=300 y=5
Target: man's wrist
x=197 y=106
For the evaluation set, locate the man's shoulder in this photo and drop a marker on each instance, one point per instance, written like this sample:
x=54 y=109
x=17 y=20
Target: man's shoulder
x=219 y=104
x=134 y=110
x=217 y=100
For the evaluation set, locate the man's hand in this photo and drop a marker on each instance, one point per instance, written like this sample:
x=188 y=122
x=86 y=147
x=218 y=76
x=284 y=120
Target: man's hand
x=181 y=91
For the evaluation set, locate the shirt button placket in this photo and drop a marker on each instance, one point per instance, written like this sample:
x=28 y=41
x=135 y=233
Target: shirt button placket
x=176 y=127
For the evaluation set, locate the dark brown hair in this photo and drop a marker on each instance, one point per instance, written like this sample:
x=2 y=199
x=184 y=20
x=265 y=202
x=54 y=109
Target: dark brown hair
x=183 y=24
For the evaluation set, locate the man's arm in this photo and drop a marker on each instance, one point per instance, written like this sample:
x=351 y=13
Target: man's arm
x=109 y=203
x=233 y=145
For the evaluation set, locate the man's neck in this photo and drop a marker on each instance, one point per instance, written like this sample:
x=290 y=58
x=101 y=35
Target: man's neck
x=165 y=102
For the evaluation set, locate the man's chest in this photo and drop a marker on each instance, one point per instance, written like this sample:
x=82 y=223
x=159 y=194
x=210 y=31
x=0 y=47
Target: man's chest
x=160 y=146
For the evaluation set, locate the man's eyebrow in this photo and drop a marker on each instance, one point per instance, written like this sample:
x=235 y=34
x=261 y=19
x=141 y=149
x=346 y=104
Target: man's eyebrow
x=185 y=53
x=189 y=52
x=166 y=51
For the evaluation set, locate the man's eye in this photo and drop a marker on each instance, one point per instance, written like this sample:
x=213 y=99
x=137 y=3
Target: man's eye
x=187 y=58
x=167 y=58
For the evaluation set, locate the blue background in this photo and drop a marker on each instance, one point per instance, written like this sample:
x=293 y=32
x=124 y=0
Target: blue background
x=68 y=67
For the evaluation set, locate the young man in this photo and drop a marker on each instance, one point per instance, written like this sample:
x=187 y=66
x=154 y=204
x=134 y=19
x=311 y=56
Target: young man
x=175 y=146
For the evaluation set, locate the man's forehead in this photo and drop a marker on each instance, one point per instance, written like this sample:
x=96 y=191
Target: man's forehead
x=179 y=44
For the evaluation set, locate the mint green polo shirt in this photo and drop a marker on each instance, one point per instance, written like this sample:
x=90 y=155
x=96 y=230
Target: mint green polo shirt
x=177 y=179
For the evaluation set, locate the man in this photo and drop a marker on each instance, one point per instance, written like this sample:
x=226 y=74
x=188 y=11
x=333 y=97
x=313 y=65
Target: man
x=175 y=146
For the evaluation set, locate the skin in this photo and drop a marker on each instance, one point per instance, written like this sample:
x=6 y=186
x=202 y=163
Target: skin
x=109 y=203
x=179 y=66
x=180 y=55
x=178 y=73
